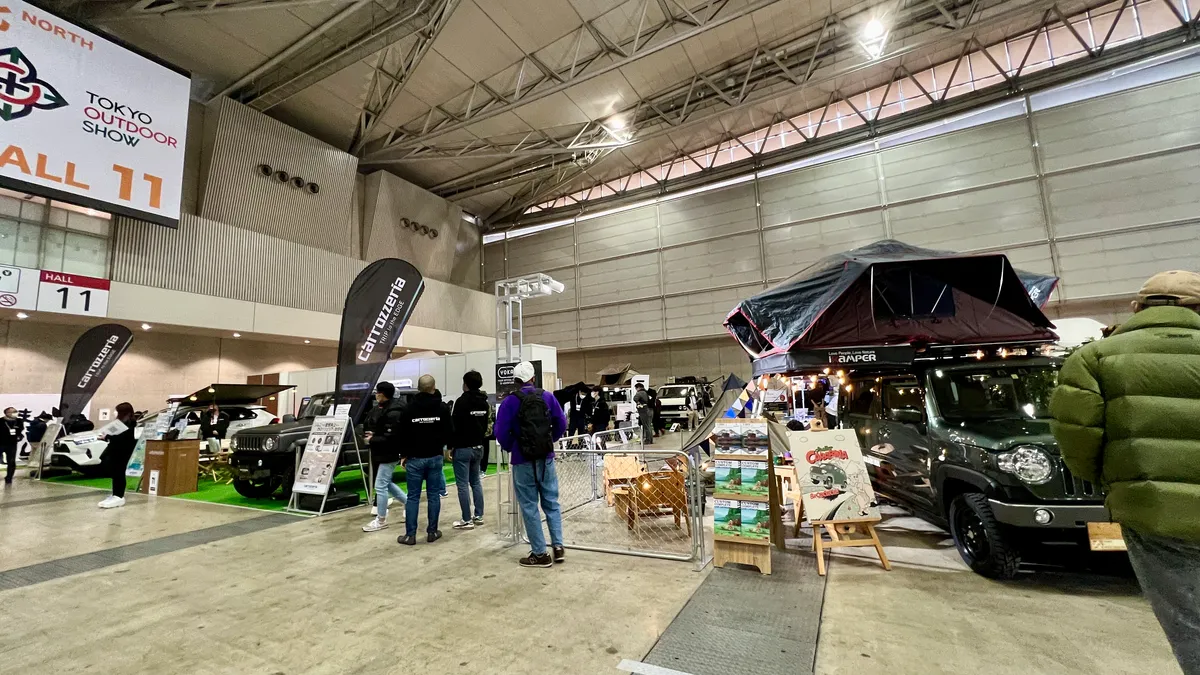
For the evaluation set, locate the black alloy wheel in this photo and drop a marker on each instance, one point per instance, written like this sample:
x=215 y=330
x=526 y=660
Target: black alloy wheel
x=981 y=539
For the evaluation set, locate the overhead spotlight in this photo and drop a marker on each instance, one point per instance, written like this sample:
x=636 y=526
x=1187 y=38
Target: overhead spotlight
x=617 y=123
x=308 y=342
x=874 y=29
x=145 y=326
x=237 y=335
x=22 y=315
x=211 y=390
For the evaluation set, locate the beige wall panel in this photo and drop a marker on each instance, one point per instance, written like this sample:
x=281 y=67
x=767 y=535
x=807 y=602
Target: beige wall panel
x=617 y=234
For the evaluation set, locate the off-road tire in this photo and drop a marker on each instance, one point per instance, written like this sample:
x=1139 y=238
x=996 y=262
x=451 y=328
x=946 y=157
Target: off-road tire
x=996 y=556
x=257 y=489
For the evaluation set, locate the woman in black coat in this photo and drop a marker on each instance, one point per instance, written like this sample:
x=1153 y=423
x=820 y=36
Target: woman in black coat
x=116 y=456
x=601 y=413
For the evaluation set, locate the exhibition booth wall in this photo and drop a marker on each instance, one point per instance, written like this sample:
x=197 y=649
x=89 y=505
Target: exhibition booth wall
x=447 y=371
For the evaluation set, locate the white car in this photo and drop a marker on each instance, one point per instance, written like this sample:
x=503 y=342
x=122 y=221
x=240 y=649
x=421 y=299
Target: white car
x=81 y=451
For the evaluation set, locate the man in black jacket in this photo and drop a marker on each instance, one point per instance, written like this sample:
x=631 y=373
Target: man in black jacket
x=12 y=428
x=426 y=427
x=384 y=439
x=471 y=415
x=581 y=412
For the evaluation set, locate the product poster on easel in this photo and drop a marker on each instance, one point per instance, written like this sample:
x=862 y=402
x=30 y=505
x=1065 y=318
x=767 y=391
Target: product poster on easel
x=833 y=478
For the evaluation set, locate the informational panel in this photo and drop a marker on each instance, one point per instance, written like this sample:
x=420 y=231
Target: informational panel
x=320 y=456
x=833 y=478
x=46 y=291
x=85 y=120
x=506 y=383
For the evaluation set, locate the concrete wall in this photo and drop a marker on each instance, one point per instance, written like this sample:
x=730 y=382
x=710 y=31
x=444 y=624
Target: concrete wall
x=33 y=359
x=452 y=257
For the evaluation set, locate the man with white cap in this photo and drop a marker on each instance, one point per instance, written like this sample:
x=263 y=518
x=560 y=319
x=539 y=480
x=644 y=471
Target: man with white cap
x=528 y=423
x=1127 y=416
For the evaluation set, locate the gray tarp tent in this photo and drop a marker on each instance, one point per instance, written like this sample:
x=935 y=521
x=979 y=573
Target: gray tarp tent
x=733 y=388
x=890 y=294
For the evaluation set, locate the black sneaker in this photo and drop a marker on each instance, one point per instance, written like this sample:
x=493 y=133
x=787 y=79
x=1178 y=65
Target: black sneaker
x=531 y=560
x=407 y=540
x=559 y=554
x=433 y=536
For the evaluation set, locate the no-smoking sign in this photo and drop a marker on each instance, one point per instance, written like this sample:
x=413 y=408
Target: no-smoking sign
x=7 y=300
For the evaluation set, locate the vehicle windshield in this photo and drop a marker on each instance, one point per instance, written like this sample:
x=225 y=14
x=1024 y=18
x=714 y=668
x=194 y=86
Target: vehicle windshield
x=997 y=392
x=318 y=405
x=673 y=392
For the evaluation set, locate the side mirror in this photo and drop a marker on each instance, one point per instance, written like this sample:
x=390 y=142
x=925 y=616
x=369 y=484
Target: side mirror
x=908 y=416
x=289 y=418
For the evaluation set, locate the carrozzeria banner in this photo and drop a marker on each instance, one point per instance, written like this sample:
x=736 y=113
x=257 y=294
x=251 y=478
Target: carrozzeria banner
x=377 y=308
x=92 y=358
x=87 y=121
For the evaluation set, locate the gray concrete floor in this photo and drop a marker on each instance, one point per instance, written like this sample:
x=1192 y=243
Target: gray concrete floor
x=320 y=596
x=931 y=614
x=317 y=596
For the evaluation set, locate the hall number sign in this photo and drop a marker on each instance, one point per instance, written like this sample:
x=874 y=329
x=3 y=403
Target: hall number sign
x=72 y=294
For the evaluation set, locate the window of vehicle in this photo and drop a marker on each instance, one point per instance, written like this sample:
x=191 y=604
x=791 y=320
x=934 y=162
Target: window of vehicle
x=674 y=391
x=903 y=401
x=319 y=404
x=987 y=393
x=239 y=413
x=863 y=398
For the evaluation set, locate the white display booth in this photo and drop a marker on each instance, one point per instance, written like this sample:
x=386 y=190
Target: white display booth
x=448 y=370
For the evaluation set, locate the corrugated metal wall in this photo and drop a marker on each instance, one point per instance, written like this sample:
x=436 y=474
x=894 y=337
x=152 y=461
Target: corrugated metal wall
x=235 y=193
x=1099 y=190
x=221 y=260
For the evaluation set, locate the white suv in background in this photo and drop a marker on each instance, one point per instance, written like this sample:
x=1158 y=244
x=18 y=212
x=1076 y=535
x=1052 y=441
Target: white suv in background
x=81 y=451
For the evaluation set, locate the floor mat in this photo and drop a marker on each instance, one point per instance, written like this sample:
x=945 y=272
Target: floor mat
x=740 y=621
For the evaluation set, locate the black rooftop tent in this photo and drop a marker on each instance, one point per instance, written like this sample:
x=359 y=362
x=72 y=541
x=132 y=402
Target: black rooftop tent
x=231 y=394
x=893 y=298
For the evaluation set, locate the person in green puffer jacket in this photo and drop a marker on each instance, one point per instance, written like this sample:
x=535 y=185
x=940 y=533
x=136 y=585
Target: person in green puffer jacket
x=1127 y=416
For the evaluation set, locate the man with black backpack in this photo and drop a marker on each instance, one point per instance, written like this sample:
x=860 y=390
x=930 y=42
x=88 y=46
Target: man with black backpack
x=528 y=423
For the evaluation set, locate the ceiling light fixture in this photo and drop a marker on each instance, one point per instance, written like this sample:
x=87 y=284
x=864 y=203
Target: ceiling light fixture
x=616 y=123
x=874 y=29
x=22 y=315
x=237 y=335
x=308 y=342
x=145 y=326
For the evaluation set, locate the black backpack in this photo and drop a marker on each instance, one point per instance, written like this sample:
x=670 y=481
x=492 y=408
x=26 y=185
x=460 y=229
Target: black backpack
x=534 y=432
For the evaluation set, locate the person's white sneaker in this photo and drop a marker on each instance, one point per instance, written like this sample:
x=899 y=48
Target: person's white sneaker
x=375 y=507
x=464 y=525
x=375 y=525
x=112 y=502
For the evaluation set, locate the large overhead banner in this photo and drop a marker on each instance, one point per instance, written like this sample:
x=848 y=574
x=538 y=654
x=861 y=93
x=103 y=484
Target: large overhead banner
x=377 y=308
x=87 y=121
x=92 y=358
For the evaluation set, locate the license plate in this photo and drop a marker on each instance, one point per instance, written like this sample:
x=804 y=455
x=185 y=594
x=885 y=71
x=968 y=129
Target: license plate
x=1105 y=537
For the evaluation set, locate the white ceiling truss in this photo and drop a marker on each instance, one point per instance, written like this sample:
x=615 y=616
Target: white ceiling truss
x=554 y=180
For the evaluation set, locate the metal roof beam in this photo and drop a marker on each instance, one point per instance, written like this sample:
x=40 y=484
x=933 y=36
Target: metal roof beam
x=624 y=51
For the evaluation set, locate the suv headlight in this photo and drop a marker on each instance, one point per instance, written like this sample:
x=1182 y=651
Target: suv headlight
x=269 y=443
x=233 y=443
x=1028 y=462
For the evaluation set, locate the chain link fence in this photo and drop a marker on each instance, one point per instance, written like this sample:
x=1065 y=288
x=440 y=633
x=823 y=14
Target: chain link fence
x=618 y=497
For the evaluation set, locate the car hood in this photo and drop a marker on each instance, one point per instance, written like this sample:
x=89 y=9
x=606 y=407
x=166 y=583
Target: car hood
x=281 y=429
x=1002 y=434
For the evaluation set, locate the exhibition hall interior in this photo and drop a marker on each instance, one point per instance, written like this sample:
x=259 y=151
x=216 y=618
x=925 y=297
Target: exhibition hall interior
x=661 y=337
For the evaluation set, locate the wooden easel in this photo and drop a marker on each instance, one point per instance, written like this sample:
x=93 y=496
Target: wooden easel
x=845 y=533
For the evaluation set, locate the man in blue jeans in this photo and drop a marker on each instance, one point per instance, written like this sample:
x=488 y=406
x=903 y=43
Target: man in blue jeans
x=385 y=452
x=471 y=415
x=528 y=423
x=425 y=430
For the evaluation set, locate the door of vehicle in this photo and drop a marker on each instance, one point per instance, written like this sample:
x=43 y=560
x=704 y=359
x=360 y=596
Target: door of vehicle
x=902 y=439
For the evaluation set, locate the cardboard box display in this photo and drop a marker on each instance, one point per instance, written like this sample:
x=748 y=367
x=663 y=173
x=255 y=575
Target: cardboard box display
x=756 y=520
x=755 y=479
x=728 y=476
x=727 y=518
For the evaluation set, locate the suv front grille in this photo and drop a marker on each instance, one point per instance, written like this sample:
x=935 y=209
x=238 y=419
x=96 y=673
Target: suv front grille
x=249 y=442
x=1076 y=487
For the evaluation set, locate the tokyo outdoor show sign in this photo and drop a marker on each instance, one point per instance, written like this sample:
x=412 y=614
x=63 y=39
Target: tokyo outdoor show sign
x=87 y=121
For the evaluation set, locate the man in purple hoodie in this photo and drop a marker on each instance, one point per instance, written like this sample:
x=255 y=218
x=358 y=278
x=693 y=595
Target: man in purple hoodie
x=528 y=423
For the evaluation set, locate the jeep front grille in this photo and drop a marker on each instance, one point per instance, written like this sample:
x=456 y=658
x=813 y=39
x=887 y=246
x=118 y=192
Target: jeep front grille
x=249 y=442
x=1075 y=487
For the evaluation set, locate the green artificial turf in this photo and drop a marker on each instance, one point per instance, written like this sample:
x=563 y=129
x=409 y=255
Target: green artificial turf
x=224 y=493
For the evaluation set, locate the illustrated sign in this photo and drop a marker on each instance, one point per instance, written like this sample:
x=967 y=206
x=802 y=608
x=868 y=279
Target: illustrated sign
x=320 y=456
x=46 y=291
x=833 y=478
x=85 y=120
x=506 y=383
